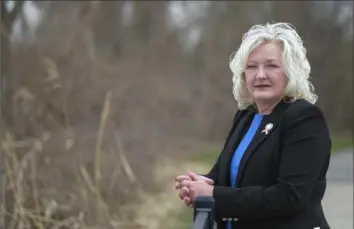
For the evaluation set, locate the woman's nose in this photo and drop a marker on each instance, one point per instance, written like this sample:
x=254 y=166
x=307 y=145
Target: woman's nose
x=260 y=73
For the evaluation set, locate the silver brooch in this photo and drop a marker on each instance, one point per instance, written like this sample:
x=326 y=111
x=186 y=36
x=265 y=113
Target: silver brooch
x=267 y=128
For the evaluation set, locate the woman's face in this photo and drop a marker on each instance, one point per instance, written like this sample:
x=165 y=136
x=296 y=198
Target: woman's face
x=265 y=75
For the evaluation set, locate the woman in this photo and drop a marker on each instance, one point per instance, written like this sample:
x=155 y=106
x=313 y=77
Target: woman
x=271 y=173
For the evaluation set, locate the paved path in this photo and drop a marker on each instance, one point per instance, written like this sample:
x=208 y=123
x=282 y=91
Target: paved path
x=338 y=200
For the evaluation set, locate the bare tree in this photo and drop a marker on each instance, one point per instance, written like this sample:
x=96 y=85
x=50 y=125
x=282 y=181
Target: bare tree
x=8 y=18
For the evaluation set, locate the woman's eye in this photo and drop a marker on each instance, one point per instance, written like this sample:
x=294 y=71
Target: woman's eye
x=251 y=66
x=273 y=66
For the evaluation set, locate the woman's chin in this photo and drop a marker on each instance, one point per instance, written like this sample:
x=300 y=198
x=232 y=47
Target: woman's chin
x=264 y=98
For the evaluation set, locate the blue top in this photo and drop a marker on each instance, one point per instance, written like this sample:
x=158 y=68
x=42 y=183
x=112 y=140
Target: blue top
x=235 y=162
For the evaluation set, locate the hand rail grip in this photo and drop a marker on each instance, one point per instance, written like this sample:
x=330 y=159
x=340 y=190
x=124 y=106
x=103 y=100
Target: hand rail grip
x=203 y=213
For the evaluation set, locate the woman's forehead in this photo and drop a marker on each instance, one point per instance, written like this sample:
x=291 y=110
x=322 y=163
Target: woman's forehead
x=266 y=52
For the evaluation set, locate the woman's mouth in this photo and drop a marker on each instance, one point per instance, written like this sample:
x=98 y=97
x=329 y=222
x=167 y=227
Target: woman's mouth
x=262 y=86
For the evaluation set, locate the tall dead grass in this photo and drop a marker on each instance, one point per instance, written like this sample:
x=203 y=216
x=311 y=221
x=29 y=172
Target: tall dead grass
x=47 y=185
x=89 y=134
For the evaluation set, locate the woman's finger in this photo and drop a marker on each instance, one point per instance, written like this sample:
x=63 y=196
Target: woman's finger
x=183 y=192
x=185 y=183
x=182 y=177
x=187 y=200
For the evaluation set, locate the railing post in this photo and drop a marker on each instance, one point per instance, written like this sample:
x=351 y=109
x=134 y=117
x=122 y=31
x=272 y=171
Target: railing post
x=203 y=213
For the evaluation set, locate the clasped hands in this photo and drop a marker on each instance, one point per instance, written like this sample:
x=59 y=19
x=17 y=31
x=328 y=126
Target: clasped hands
x=192 y=185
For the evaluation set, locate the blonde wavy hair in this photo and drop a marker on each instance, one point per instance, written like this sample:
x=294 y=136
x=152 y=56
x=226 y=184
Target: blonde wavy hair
x=296 y=65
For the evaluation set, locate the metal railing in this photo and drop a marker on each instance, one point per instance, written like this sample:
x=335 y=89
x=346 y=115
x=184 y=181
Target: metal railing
x=203 y=213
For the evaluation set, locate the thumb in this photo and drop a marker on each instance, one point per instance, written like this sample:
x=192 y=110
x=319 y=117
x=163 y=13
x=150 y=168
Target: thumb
x=194 y=176
x=208 y=180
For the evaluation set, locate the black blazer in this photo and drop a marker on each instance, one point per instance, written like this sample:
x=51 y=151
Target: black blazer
x=282 y=175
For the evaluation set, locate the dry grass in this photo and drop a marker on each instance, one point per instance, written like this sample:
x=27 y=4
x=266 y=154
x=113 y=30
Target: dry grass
x=56 y=181
x=150 y=212
x=88 y=135
x=27 y=208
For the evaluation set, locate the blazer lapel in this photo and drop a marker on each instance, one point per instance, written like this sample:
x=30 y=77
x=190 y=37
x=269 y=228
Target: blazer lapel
x=241 y=124
x=261 y=135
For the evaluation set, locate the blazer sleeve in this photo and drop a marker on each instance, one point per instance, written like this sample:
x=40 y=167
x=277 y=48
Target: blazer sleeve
x=214 y=172
x=306 y=148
